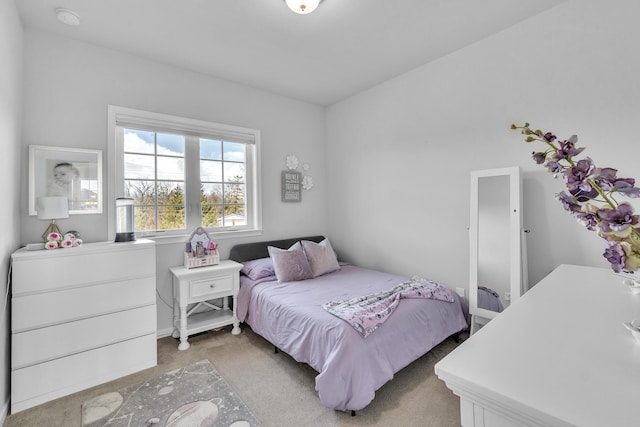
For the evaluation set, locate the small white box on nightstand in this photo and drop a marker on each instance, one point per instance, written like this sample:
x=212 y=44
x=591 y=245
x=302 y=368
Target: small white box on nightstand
x=204 y=261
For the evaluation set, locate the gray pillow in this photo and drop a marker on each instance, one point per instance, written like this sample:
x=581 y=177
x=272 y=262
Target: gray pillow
x=290 y=265
x=321 y=257
x=258 y=268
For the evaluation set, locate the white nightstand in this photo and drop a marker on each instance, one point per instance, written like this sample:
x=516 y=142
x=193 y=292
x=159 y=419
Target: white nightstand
x=199 y=286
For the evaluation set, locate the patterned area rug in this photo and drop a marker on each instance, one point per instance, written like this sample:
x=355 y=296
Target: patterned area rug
x=195 y=396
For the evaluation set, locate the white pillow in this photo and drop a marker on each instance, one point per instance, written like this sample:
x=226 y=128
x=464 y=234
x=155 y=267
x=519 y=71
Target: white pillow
x=290 y=265
x=321 y=256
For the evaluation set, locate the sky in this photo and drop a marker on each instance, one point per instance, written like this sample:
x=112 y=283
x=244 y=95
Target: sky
x=139 y=163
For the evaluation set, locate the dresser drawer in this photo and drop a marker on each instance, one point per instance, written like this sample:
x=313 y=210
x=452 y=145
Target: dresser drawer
x=47 y=309
x=214 y=287
x=44 y=344
x=45 y=381
x=92 y=263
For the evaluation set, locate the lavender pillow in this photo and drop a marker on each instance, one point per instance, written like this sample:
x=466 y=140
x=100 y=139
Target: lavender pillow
x=321 y=257
x=290 y=265
x=258 y=268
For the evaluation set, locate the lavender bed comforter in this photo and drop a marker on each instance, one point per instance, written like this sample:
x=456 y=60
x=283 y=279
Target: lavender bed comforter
x=351 y=368
x=489 y=299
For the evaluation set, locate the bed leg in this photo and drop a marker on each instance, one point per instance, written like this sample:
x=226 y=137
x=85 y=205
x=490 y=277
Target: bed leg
x=353 y=413
x=275 y=349
x=458 y=337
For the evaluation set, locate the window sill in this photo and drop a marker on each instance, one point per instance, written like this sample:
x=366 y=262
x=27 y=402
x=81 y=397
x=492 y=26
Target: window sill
x=182 y=238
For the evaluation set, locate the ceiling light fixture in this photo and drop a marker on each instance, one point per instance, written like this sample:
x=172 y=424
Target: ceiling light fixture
x=68 y=17
x=303 y=7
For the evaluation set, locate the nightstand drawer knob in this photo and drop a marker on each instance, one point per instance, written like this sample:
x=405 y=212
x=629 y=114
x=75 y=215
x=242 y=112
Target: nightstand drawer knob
x=212 y=286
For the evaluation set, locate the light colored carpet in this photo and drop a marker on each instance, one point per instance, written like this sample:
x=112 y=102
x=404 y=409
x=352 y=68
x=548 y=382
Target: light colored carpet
x=195 y=395
x=277 y=389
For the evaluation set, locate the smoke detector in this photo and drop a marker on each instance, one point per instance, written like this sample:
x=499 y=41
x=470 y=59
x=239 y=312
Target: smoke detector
x=68 y=17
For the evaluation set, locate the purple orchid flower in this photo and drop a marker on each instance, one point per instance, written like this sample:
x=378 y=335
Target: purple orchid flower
x=589 y=219
x=616 y=256
x=549 y=137
x=539 y=158
x=623 y=186
x=584 y=196
x=606 y=177
x=554 y=167
x=578 y=176
x=617 y=220
x=578 y=180
x=569 y=202
x=568 y=148
x=607 y=180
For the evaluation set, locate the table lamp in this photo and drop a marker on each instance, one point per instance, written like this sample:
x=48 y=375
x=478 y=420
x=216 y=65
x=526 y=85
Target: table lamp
x=54 y=207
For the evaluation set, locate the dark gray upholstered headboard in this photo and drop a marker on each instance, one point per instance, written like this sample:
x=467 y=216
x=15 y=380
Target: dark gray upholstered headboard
x=248 y=251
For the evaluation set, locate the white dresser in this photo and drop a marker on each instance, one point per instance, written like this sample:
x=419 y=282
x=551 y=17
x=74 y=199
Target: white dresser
x=559 y=356
x=80 y=317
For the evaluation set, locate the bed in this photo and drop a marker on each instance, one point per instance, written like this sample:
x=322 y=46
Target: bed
x=290 y=315
x=489 y=299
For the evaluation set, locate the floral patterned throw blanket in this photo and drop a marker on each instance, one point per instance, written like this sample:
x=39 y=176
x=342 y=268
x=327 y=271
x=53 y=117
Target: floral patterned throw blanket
x=367 y=312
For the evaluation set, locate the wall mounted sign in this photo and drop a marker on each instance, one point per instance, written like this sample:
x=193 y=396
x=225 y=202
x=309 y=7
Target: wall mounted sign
x=291 y=186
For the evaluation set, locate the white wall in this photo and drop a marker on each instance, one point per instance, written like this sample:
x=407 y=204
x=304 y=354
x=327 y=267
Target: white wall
x=11 y=43
x=404 y=149
x=69 y=84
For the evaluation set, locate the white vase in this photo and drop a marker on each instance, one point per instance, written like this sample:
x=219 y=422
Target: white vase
x=632 y=280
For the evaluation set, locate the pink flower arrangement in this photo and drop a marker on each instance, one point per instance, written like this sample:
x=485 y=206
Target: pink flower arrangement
x=52 y=244
x=57 y=240
x=54 y=236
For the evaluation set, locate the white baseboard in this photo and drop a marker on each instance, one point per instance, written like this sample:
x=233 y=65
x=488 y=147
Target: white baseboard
x=161 y=333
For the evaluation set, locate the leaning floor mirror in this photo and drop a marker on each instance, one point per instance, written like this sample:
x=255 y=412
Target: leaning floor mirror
x=496 y=259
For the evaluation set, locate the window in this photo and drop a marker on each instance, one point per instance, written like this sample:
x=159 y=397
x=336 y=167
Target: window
x=184 y=173
x=154 y=179
x=223 y=184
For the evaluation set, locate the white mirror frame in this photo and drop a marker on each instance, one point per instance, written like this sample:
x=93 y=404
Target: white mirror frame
x=515 y=241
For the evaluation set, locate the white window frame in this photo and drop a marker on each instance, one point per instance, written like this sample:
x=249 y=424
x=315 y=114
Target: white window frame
x=123 y=117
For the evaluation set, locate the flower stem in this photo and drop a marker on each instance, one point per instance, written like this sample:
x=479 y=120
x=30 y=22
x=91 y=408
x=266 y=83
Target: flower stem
x=602 y=193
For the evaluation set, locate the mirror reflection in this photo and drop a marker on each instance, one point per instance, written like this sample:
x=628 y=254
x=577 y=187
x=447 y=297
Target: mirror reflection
x=493 y=243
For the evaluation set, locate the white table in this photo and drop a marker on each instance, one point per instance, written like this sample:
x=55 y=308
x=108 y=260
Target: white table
x=558 y=356
x=197 y=286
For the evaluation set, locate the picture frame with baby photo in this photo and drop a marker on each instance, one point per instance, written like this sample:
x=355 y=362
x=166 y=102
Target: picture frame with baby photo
x=63 y=171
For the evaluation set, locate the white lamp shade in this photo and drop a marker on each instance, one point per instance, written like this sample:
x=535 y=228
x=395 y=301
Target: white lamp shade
x=54 y=207
x=303 y=6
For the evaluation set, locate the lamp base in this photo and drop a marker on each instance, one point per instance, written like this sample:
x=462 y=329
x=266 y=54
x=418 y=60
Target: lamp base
x=52 y=228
